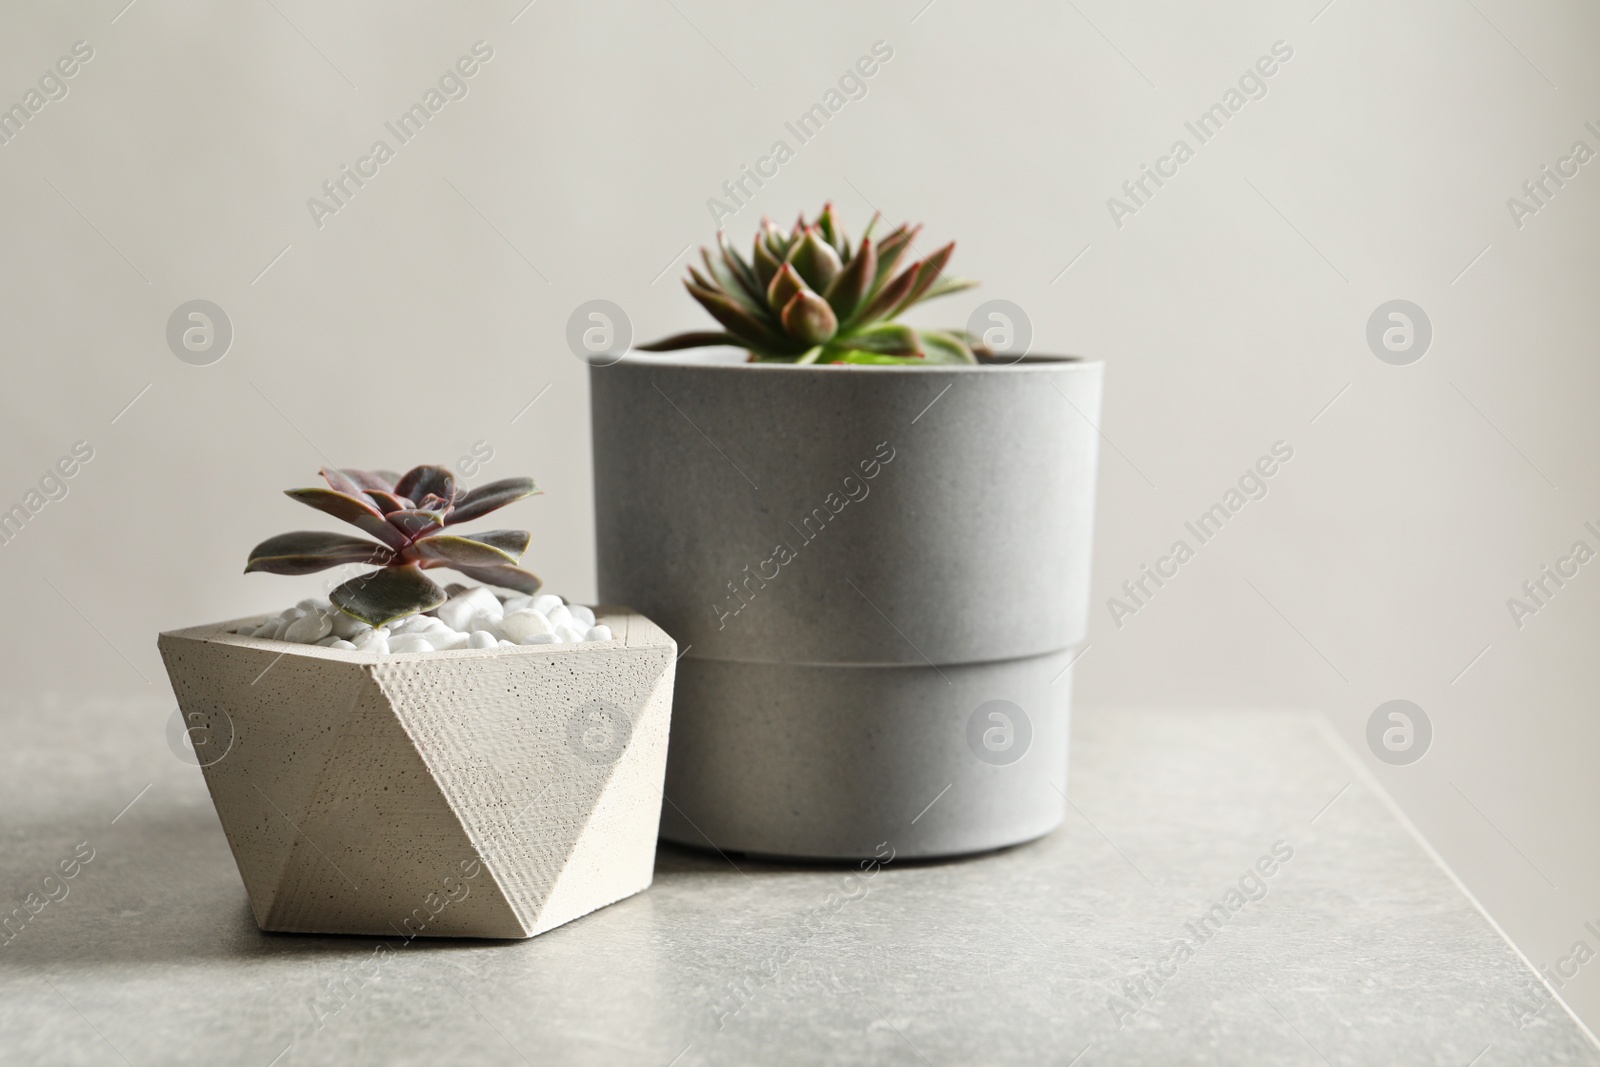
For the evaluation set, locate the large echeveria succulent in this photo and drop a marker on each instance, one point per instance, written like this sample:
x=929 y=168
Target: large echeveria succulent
x=808 y=297
x=407 y=515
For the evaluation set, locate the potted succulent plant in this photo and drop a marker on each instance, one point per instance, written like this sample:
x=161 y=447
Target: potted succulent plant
x=405 y=759
x=872 y=542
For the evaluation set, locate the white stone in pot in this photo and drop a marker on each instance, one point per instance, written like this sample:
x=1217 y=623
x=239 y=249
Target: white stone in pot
x=517 y=626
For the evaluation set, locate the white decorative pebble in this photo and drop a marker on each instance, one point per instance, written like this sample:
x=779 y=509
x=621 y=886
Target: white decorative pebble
x=411 y=642
x=449 y=639
x=379 y=646
x=517 y=603
x=343 y=645
x=481 y=639
x=582 y=617
x=569 y=634
x=540 y=639
x=545 y=602
x=559 y=616
x=309 y=628
x=506 y=644
x=598 y=633
x=346 y=625
x=326 y=641
x=519 y=625
x=368 y=641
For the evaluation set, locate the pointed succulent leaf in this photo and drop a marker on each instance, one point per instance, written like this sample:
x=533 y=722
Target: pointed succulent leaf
x=728 y=280
x=693 y=339
x=388 y=502
x=944 y=347
x=809 y=318
x=343 y=483
x=815 y=259
x=418 y=482
x=927 y=273
x=414 y=523
x=309 y=551
x=852 y=283
x=370 y=480
x=766 y=263
x=885 y=300
x=506 y=577
x=359 y=512
x=491 y=497
x=451 y=549
x=387 y=594
x=885 y=338
x=947 y=285
x=750 y=330
x=831 y=231
x=892 y=249
x=785 y=284
x=741 y=270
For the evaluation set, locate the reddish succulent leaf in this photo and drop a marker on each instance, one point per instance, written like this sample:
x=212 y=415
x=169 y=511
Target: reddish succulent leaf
x=342 y=482
x=765 y=262
x=412 y=523
x=418 y=482
x=927 y=273
x=388 y=502
x=359 y=512
x=309 y=551
x=809 y=318
x=370 y=480
x=742 y=270
x=736 y=318
x=887 y=298
x=853 y=283
x=387 y=594
x=491 y=497
x=892 y=248
x=454 y=549
x=505 y=577
x=693 y=339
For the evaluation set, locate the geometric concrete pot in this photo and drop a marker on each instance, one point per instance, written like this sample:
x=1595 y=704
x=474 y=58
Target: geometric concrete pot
x=879 y=577
x=491 y=792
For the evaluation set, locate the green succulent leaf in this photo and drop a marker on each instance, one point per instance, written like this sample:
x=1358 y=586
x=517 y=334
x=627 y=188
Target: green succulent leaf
x=927 y=272
x=418 y=482
x=809 y=318
x=478 y=502
x=786 y=285
x=387 y=594
x=886 y=338
x=451 y=549
x=885 y=300
x=943 y=347
x=359 y=512
x=309 y=551
x=816 y=260
x=945 y=286
x=506 y=577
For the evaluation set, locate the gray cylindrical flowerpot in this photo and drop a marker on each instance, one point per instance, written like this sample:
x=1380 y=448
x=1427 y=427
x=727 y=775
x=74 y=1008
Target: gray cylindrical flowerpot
x=878 y=577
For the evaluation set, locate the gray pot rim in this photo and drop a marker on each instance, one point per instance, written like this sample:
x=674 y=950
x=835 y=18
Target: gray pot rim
x=1031 y=361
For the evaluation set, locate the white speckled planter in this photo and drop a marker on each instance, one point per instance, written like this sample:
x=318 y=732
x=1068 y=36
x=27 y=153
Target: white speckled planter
x=473 y=793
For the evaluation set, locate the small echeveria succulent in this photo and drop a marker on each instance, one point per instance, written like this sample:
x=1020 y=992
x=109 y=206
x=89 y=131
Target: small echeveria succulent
x=407 y=515
x=808 y=297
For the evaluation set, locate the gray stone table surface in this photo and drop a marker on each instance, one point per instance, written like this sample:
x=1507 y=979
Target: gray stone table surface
x=1357 y=949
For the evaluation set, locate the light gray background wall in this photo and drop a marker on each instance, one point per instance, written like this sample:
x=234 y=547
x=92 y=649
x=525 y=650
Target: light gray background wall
x=1231 y=311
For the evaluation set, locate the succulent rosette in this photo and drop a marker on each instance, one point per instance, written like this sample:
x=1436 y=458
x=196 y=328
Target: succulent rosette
x=808 y=296
x=408 y=517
